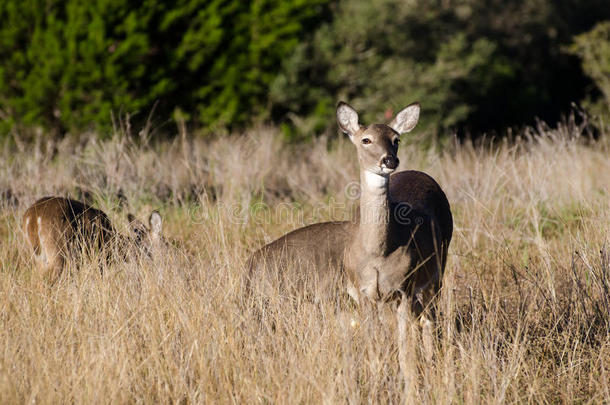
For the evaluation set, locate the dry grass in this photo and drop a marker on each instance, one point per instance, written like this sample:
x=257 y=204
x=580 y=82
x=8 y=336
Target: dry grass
x=524 y=315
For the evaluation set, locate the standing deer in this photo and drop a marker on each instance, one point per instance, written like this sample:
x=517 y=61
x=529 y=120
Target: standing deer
x=399 y=244
x=59 y=229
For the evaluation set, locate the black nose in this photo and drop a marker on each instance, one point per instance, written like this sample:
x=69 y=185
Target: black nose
x=391 y=162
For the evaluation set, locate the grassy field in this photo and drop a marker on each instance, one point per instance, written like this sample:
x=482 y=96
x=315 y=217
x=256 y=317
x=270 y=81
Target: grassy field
x=524 y=314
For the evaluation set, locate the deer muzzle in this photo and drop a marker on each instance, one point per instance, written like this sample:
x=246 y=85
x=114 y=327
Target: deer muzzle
x=390 y=162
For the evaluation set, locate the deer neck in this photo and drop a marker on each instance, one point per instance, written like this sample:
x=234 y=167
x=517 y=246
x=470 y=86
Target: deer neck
x=374 y=230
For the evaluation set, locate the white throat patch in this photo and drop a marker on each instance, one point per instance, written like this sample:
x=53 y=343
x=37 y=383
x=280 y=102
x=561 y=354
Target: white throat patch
x=375 y=181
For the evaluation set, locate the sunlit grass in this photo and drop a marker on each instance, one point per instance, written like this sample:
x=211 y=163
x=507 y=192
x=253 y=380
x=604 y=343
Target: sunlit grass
x=524 y=315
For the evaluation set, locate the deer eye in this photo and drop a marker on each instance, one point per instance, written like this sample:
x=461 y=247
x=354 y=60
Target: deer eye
x=366 y=141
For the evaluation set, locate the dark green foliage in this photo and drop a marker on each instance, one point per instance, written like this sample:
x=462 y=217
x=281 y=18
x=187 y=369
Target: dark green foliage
x=230 y=52
x=593 y=47
x=475 y=65
x=67 y=64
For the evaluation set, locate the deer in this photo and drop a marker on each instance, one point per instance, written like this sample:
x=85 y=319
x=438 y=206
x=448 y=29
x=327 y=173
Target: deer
x=397 y=246
x=59 y=230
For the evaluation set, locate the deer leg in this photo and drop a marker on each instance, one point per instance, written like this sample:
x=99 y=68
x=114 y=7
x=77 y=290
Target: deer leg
x=426 y=336
x=352 y=291
x=54 y=267
x=51 y=260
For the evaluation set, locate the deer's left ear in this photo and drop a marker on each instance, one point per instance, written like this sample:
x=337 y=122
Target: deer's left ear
x=406 y=119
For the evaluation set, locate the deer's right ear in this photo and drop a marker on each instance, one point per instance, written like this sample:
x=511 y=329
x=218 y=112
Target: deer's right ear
x=347 y=118
x=155 y=225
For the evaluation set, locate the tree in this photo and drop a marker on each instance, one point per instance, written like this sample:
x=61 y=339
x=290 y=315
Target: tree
x=593 y=47
x=475 y=65
x=68 y=64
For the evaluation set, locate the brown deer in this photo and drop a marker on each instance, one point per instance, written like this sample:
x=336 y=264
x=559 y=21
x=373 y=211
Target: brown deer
x=398 y=245
x=59 y=229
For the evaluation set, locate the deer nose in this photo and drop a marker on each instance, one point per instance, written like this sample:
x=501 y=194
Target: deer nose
x=390 y=161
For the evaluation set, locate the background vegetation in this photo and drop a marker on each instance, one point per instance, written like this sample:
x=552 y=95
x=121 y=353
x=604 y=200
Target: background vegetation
x=476 y=65
x=66 y=65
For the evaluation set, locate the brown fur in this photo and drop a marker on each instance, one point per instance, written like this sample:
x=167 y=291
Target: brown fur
x=59 y=229
x=316 y=258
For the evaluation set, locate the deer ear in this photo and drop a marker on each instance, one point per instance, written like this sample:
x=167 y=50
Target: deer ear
x=347 y=118
x=155 y=224
x=406 y=119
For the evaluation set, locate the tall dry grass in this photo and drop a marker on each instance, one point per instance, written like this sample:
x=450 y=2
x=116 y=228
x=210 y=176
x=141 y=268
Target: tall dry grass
x=524 y=315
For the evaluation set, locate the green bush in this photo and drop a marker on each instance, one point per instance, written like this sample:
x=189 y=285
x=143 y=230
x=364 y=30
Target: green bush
x=66 y=65
x=475 y=65
x=380 y=55
x=593 y=47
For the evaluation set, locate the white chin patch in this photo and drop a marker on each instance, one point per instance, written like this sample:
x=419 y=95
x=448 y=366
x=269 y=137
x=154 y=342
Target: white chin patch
x=375 y=180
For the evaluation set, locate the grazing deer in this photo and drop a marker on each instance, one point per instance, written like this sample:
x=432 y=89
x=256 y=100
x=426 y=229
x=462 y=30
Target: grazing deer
x=398 y=246
x=59 y=229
